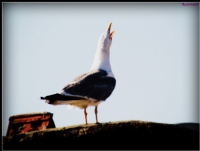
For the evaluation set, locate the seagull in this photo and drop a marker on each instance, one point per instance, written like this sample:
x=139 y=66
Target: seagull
x=92 y=87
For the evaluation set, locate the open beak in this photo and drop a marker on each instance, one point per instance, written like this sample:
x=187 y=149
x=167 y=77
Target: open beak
x=112 y=32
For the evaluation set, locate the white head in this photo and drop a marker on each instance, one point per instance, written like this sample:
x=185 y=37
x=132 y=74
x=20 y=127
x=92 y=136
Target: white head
x=102 y=56
x=105 y=39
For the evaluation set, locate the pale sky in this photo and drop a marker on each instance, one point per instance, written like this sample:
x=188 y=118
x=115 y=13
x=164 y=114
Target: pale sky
x=154 y=57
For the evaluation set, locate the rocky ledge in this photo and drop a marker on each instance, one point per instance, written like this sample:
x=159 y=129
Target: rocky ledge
x=113 y=135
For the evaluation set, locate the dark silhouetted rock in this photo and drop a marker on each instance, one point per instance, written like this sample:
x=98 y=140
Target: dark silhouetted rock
x=113 y=135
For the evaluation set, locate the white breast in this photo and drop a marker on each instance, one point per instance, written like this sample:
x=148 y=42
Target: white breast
x=78 y=103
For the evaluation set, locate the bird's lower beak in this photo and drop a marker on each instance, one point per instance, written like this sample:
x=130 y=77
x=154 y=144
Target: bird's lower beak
x=112 y=32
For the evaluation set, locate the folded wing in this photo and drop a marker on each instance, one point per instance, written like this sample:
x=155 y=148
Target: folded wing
x=95 y=84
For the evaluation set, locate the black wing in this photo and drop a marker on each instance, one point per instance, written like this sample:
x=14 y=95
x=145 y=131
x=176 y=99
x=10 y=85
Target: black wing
x=93 y=84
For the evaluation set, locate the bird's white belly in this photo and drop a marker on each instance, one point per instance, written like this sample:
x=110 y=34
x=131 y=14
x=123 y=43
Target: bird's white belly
x=78 y=103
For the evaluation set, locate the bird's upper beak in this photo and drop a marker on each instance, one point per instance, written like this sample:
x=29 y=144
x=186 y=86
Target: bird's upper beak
x=108 y=30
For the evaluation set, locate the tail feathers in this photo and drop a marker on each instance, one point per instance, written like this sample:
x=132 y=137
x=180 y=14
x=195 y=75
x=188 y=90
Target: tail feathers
x=61 y=97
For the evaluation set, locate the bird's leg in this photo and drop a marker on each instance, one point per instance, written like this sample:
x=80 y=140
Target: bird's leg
x=85 y=114
x=95 y=111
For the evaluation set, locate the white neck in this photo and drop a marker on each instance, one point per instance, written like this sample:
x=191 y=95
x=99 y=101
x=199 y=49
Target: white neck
x=102 y=61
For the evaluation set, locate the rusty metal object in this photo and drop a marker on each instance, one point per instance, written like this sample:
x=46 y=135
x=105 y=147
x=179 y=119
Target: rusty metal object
x=23 y=123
